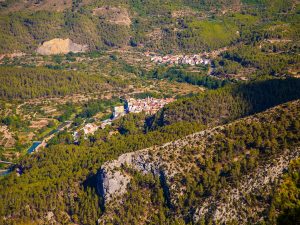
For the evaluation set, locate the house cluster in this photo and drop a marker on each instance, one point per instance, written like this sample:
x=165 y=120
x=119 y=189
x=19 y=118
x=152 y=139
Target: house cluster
x=88 y=129
x=147 y=105
x=181 y=59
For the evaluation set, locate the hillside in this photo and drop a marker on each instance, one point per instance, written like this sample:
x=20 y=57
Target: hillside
x=155 y=112
x=41 y=82
x=150 y=25
x=202 y=163
x=229 y=103
x=225 y=174
x=242 y=39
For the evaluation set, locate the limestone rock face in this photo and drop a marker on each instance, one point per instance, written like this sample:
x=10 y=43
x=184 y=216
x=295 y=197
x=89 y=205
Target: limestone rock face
x=60 y=46
x=223 y=209
x=112 y=180
x=112 y=184
x=174 y=161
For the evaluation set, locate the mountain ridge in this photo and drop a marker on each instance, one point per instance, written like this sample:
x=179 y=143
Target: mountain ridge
x=168 y=160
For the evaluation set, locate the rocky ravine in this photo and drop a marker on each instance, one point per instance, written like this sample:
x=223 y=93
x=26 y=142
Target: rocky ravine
x=177 y=158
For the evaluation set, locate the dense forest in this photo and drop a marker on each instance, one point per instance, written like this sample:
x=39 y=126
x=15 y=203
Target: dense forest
x=229 y=155
x=180 y=75
x=61 y=178
x=84 y=160
x=69 y=169
x=25 y=83
x=229 y=103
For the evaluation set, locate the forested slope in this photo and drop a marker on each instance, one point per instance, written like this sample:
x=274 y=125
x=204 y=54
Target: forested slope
x=229 y=103
x=60 y=180
x=227 y=174
x=22 y=83
x=228 y=155
x=167 y=26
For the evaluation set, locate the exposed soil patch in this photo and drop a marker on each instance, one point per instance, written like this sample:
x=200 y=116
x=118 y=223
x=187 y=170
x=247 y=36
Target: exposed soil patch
x=183 y=13
x=156 y=34
x=11 y=55
x=114 y=15
x=60 y=46
x=6 y=137
x=39 y=124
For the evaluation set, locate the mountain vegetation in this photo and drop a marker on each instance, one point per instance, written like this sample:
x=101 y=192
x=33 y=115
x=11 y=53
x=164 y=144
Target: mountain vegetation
x=25 y=83
x=174 y=25
x=225 y=174
x=229 y=103
x=225 y=151
x=69 y=171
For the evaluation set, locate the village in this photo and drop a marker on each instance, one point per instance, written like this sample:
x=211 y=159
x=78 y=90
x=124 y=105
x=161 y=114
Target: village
x=148 y=105
x=196 y=59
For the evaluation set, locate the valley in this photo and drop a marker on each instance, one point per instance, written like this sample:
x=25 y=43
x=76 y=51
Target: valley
x=143 y=112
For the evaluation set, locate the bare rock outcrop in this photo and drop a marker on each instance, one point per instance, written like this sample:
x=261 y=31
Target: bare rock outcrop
x=113 y=180
x=112 y=183
x=233 y=204
x=60 y=46
x=243 y=201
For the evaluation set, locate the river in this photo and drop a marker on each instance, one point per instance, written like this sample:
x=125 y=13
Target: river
x=5 y=172
x=34 y=145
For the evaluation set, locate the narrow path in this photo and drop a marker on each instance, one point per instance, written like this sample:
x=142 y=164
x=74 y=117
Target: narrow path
x=6 y=162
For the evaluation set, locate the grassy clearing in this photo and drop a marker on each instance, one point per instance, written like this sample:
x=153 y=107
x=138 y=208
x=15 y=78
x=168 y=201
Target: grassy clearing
x=214 y=33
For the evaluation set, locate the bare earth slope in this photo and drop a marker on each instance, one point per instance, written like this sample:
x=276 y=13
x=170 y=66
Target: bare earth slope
x=114 y=15
x=60 y=46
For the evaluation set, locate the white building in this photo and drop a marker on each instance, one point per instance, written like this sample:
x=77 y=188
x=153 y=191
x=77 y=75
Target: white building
x=119 y=111
x=90 y=128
